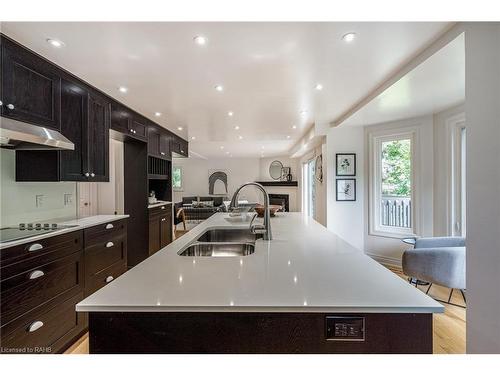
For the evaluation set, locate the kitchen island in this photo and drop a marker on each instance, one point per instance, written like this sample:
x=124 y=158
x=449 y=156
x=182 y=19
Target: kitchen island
x=305 y=291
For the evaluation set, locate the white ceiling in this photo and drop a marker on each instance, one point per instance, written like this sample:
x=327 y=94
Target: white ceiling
x=436 y=84
x=268 y=70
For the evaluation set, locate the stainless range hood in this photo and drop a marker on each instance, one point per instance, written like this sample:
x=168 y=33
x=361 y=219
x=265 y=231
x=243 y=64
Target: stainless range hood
x=17 y=135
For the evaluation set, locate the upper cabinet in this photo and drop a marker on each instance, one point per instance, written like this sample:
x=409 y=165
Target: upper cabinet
x=179 y=146
x=31 y=87
x=158 y=142
x=98 y=138
x=127 y=122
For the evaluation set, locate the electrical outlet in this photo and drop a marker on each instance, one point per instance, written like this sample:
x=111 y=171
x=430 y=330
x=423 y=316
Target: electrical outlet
x=39 y=200
x=68 y=199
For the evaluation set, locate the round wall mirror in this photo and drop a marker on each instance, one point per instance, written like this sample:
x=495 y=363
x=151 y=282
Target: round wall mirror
x=275 y=170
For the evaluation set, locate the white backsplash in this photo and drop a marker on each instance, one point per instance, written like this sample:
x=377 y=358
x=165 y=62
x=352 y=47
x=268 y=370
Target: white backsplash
x=18 y=200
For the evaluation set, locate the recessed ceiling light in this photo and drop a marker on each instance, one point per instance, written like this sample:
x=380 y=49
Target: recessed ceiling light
x=287 y=137
x=303 y=113
x=230 y=114
x=227 y=152
x=180 y=128
x=55 y=43
x=222 y=147
x=236 y=127
x=122 y=89
x=319 y=87
x=349 y=37
x=240 y=137
x=200 y=40
x=262 y=147
x=193 y=138
x=219 y=88
x=157 y=114
x=294 y=126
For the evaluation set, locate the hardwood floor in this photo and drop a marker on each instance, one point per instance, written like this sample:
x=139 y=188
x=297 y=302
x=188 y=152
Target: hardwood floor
x=449 y=328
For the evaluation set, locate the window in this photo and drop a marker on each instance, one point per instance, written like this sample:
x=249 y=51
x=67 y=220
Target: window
x=392 y=185
x=309 y=191
x=177 y=183
x=457 y=192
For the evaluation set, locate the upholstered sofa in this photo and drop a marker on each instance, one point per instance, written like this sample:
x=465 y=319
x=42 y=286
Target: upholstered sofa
x=197 y=208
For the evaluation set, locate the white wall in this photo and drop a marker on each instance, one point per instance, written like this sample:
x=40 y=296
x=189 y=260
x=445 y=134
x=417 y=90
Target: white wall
x=482 y=107
x=18 y=203
x=239 y=170
x=346 y=219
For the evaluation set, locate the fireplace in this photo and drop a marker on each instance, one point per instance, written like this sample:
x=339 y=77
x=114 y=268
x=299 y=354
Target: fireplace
x=281 y=200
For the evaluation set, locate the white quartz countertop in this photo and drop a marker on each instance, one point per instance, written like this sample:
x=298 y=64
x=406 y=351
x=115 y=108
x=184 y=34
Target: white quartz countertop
x=305 y=268
x=78 y=224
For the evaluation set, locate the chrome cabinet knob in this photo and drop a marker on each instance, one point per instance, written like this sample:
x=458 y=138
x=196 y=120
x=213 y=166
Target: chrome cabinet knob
x=92 y=175
x=109 y=279
x=10 y=106
x=35 y=325
x=1 y=103
x=35 y=247
x=109 y=226
x=162 y=207
x=36 y=274
x=87 y=174
x=162 y=153
x=163 y=219
x=110 y=244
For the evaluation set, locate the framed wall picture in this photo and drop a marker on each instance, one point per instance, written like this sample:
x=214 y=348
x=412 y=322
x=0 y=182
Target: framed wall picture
x=346 y=189
x=345 y=164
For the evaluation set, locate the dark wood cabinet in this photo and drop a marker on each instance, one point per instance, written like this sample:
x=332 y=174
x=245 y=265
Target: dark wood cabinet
x=179 y=146
x=74 y=126
x=98 y=138
x=85 y=119
x=127 y=122
x=158 y=143
x=42 y=281
x=31 y=87
x=160 y=227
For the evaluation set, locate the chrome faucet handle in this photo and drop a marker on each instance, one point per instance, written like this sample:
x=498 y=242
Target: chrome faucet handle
x=253 y=218
x=258 y=229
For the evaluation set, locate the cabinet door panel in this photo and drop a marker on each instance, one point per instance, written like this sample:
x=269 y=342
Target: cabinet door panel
x=99 y=119
x=31 y=85
x=166 y=229
x=139 y=128
x=153 y=142
x=165 y=146
x=120 y=118
x=154 y=234
x=74 y=125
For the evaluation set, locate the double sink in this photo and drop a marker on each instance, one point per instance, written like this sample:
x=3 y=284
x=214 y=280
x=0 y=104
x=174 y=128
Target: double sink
x=222 y=243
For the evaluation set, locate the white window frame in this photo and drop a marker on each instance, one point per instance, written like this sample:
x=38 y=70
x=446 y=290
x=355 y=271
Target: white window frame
x=181 y=188
x=456 y=224
x=375 y=186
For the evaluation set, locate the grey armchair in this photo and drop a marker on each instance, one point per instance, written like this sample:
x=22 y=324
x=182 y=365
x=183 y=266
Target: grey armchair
x=438 y=260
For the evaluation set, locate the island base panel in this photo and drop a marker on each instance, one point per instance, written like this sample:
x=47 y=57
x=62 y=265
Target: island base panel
x=204 y=332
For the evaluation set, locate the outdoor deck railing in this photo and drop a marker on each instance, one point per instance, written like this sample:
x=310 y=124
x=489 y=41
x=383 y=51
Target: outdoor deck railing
x=396 y=211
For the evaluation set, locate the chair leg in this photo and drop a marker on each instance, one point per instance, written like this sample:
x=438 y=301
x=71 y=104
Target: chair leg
x=463 y=295
x=451 y=294
x=429 y=288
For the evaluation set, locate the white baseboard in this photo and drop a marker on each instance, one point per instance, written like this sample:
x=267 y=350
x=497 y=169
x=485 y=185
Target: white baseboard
x=388 y=261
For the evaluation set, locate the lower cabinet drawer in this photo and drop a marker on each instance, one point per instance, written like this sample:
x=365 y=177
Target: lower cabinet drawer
x=47 y=285
x=44 y=330
x=104 y=254
x=100 y=279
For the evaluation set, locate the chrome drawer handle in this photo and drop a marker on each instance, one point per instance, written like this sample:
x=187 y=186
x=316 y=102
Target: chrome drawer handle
x=163 y=219
x=109 y=226
x=10 y=106
x=162 y=207
x=92 y=175
x=36 y=274
x=35 y=325
x=109 y=279
x=110 y=244
x=162 y=153
x=35 y=247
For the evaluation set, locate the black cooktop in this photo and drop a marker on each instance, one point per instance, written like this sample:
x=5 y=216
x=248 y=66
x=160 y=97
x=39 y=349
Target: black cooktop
x=9 y=234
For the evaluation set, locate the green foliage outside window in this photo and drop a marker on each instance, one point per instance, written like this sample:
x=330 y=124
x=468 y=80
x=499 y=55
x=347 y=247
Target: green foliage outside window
x=176 y=177
x=396 y=168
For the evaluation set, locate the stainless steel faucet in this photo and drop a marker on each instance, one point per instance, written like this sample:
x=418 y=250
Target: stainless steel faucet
x=265 y=229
